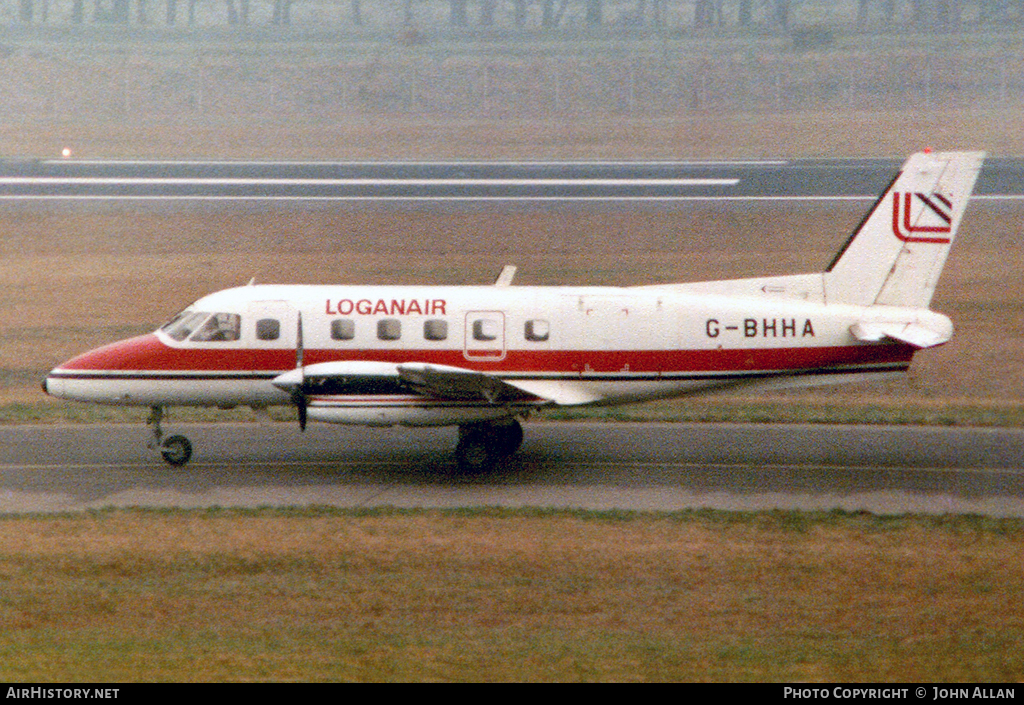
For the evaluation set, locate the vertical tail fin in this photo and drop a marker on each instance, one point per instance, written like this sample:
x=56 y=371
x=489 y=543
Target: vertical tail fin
x=896 y=255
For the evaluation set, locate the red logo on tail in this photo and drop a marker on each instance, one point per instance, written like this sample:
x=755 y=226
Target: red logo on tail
x=935 y=211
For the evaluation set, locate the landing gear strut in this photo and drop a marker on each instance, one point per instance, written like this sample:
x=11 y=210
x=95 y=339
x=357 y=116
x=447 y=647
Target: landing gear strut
x=176 y=450
x=482 y=445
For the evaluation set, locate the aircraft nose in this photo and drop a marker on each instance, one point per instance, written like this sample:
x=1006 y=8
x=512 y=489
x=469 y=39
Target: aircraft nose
x=92 y=376
x=51 y=386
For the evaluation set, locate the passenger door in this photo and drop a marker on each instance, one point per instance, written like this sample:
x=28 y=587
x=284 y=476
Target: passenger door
x=485 y=336
x=272 y=334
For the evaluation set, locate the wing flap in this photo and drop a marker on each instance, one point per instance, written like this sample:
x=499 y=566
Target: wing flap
x=459 y=383
x=557 y=391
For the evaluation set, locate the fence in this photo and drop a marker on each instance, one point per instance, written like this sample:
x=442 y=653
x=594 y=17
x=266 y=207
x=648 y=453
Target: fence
x=141 y=87
x=488 y=15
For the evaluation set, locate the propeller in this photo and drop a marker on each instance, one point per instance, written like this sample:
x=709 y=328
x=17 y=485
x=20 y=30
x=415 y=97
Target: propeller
x=294 y=381
x=299 y=393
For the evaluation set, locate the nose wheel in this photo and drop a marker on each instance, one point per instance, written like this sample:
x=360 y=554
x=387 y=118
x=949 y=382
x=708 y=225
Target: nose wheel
x=176 y=450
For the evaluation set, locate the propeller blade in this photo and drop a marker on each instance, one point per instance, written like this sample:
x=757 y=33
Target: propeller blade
x=299 y=394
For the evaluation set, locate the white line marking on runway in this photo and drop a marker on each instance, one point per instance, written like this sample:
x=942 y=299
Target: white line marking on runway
x=471 y=163
x=460 y=182
x=432 y=199
x=461 y=198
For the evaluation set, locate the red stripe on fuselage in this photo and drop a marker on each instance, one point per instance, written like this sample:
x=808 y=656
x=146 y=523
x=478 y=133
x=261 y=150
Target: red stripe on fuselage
x=148 y=353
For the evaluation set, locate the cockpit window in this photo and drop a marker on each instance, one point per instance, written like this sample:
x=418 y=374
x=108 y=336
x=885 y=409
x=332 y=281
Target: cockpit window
x=182 y=325
x=219 y=327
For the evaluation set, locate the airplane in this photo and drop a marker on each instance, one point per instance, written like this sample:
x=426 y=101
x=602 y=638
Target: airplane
x=483 y=358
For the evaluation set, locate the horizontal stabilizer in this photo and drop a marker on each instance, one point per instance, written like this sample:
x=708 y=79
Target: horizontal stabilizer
x=911 y=333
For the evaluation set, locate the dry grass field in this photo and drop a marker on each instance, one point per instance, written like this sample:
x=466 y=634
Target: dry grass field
x=500 y=596
x=838 y=132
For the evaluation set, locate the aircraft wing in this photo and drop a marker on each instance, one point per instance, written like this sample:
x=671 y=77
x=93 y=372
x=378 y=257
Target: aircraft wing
x=440 y=381
x=458 y=383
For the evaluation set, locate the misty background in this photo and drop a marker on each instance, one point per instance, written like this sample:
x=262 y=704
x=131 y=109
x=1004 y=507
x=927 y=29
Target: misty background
x=314 y=60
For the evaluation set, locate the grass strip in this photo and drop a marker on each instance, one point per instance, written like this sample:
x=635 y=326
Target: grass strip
x=507 y=595
x=938 y=412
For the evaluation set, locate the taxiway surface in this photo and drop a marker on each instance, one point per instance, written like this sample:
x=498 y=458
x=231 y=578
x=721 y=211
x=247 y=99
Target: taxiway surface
x=628 y=466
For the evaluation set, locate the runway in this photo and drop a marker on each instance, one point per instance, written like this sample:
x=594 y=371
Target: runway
x=441 y=182
x=597 y=466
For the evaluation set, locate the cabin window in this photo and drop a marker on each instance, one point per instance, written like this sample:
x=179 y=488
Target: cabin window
x=343 y=329
x=435 y=329
x=486 y=329
x=268 y=329
x=389 y=329
x=220 y=327
x=537 y=331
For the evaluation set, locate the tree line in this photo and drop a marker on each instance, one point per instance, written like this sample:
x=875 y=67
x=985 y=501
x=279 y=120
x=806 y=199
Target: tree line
x=529 y=14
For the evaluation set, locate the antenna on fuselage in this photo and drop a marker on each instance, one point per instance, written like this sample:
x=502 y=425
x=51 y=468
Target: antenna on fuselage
x=506 y=276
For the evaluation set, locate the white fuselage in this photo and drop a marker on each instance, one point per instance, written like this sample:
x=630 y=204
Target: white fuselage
x=559 y=345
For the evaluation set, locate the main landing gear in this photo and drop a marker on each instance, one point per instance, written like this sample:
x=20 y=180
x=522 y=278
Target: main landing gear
x=176 y=450
x=482 y=445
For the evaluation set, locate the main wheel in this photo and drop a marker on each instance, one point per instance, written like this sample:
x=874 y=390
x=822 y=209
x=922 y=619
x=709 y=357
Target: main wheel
x=476 y=451
x=507 y=437
x=176 y=450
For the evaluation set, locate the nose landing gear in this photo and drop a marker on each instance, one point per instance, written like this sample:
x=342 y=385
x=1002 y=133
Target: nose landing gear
x=176 y=450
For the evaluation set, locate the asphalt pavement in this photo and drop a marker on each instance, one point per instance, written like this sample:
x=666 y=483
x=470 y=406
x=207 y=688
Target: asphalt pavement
x=232 y=182
x=627 y=466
